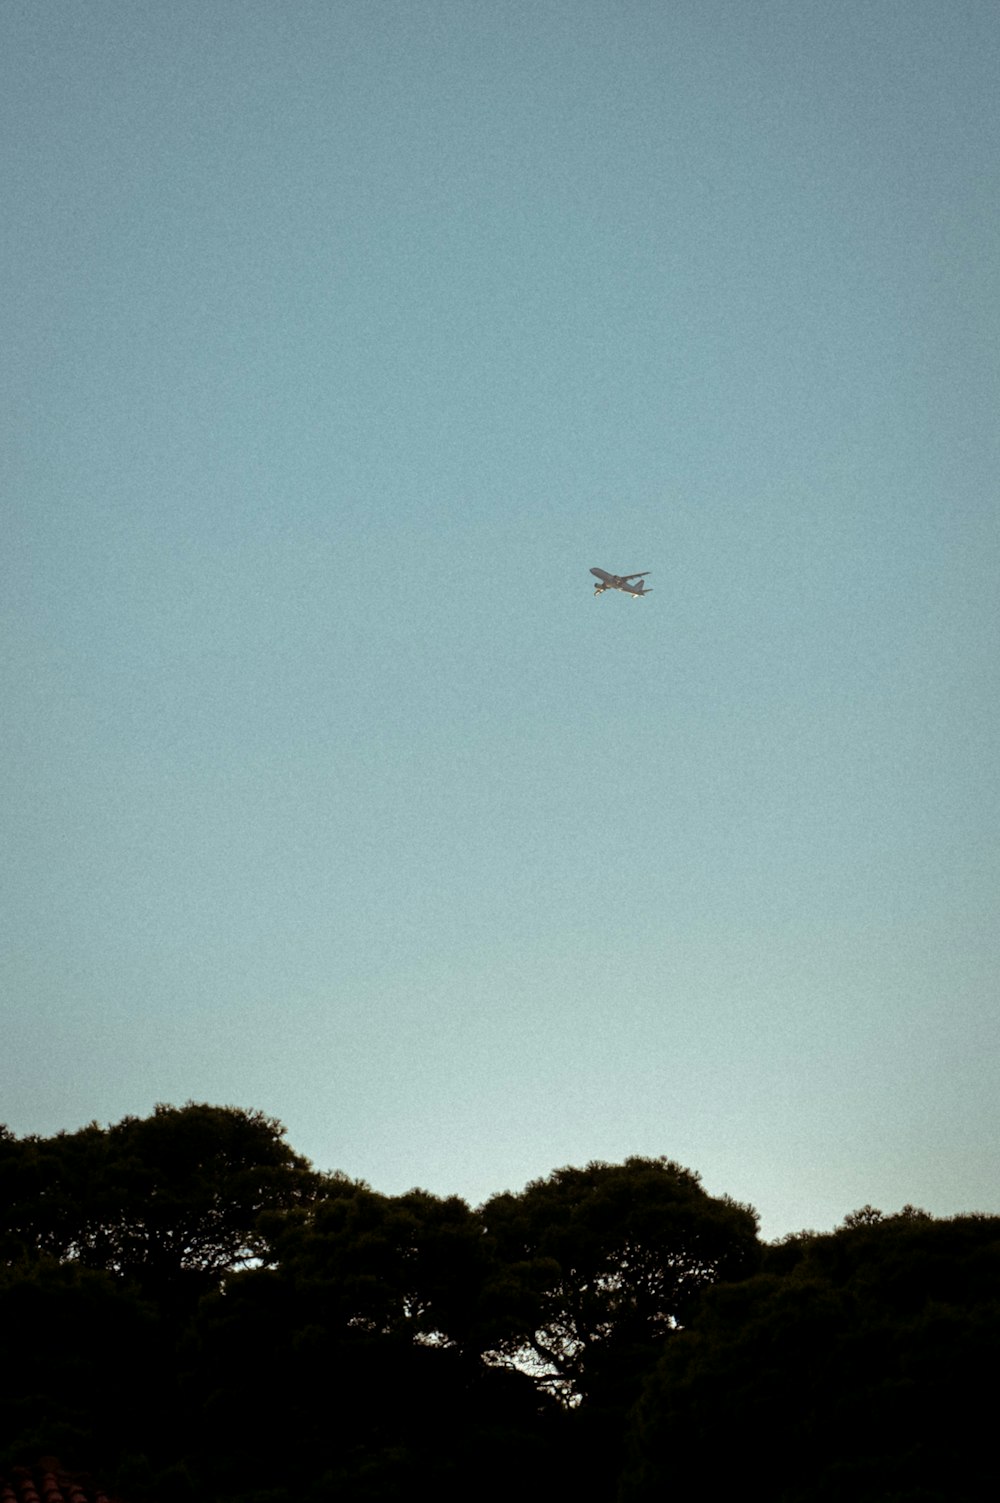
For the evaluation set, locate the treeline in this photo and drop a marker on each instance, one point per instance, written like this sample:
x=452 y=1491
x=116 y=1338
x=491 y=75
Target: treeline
x=189 y=1311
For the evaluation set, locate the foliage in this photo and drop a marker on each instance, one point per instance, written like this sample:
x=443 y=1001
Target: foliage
x=410 y=1265
x=596 y=1268
x=599 y=1265
x=851 y=1367
x=163 y=1199
x=87 y=1367
x=367 y=1318
x=191 y=1311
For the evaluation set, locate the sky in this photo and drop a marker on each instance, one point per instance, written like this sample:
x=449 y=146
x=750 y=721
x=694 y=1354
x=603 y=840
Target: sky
x=340 y=340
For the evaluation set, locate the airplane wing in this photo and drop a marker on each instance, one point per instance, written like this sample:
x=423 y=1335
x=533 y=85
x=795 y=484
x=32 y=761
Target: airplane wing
x=637 y=574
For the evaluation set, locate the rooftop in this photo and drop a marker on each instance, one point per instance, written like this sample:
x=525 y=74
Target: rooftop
x=48 y=1483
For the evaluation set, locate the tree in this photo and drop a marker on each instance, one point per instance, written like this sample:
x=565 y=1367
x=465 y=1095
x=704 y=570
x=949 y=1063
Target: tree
x=850 y=1367
x=167 y=1199
x=359 y=1346
x=88 y=1373
x=601 y=1264
x=411 y=1265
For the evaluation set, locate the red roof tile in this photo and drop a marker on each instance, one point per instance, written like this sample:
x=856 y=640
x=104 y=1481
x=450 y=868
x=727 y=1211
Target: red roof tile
x=48 y=1483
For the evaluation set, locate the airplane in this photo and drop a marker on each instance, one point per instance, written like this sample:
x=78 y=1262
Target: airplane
x=621 y=582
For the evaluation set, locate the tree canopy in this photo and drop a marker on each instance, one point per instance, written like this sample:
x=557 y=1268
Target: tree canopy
x=195 y=1312
x=180 y=1192
x=852 y=1366
x=601 y=1263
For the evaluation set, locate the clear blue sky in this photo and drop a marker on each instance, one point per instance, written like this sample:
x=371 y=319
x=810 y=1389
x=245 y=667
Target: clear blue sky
x=339 y=340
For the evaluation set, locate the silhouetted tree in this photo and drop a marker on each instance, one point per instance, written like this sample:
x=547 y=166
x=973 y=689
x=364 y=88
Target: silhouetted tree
x=87 y=1372
x=190 y=1310
x=357 y=1349
x=853 y=1367
x=409 y=1265
x=600 y=1265
x=596 y=1269
x=171 y=1199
